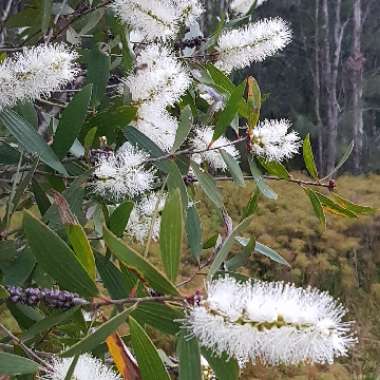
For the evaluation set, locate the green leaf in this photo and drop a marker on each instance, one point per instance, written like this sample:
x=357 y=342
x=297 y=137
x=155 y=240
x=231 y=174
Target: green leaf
x=134 y=136
x=227 y=246
x=49 y=323
x=275 y=168
x=353 y=207
x=96 y=338
x=265 y=189
x=56 y=258
x=28 y=112
x=220 y=78
x=71 y=121
x=270 y=253
x=18 y=271
x=46 y=15
x=14 y=365
x=82 y=247
x=224 y=367
x=253 y=102
x=159 y=316
x=120 y=217
x=242 y=258
x=334 y=207
x=171 y=234
x=234 y=168
x=189 y=356
x=175 y=181
x=98 y=72
x=252 y=205
x=42 y=200
x=194 y=232
x=184 y=127
x=150 y=363
x=317 y=206
x=138 y=265
x=208 y=185
x=30 y=140
x=342 y=161
x=118 y=284
x=308 y=157
x=229 y=112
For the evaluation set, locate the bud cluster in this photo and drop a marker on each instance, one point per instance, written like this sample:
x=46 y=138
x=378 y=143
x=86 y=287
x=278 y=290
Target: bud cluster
x=52 y=298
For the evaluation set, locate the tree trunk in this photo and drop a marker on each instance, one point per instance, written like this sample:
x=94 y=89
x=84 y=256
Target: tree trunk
x=355 y=64
x=331 y=52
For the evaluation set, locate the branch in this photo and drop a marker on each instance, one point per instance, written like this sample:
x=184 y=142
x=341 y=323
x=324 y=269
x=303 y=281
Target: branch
x=134 y=300
x=274 y=178
x=25 y=348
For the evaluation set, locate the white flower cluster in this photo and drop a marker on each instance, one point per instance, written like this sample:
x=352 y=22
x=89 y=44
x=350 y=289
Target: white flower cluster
x=271 y=322
x=272 y=141
x=87 y=368
x=238 y=48
x=244 y=6
x=159 y=18
x=123 y=175
x=201 y=141
x=140 y=221
x=159 y=82
x=35 y=72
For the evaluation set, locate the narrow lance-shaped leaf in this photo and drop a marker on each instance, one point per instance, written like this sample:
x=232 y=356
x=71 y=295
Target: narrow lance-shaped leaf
x=120 y=217
x=30 y=140
x=99 y=336
x=123 y=358
x=14 y=365
x=308 y=156
x=56 y=258
x=71 y=121
x=229 y=112
x=194 y=232
x=150 y=363
x=189 y=356
x=184 y=128
x=76 y=234
x=225 y=368
x=138 y=264
x=253 y=102
x=171 y=234
x=264 y=188
x=208 y=185
x=234 y=168
x=317 y=206
x=227 y=246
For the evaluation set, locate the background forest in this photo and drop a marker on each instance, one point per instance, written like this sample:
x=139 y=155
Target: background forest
x=327 y=82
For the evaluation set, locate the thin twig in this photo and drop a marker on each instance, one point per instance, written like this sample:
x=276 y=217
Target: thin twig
x=25 y=348
x=133 y=300
x=189 y=152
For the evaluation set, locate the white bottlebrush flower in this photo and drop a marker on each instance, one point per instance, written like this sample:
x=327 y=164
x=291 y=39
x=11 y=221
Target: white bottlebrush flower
x=238 y=48
x=157 y=124
x=158 y=18
x=123 y=175
x=160 y=77
x=154 y=19
x=140 y=220
x=243 y=6
x=272 y=141
x=35 y=72
x=87 y=368
x=276 y=323
x=201 y=141
x=188 y=10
